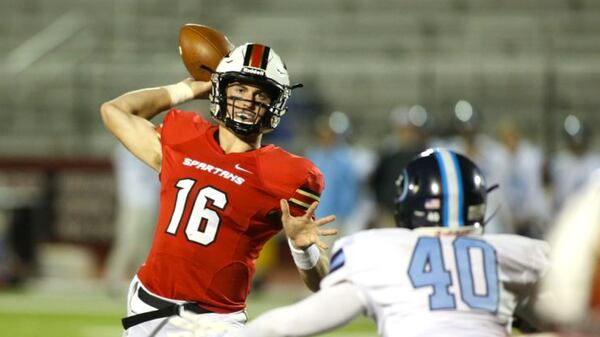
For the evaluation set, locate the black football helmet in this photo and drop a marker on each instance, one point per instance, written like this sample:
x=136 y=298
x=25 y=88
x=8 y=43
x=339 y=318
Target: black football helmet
x=440 y=188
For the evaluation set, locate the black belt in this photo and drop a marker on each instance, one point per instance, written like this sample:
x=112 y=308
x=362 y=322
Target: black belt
x=164 y=309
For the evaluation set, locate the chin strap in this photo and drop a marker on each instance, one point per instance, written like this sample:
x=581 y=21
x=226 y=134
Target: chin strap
x=485 y=222
x=242 y=131
x=487 y=191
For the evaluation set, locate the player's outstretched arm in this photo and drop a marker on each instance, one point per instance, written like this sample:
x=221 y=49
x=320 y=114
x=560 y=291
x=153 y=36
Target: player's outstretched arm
x=304 y=234
x=128 y=116
x=323 y=311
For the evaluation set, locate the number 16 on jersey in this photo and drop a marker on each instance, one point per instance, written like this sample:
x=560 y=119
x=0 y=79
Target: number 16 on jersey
x=200 y=212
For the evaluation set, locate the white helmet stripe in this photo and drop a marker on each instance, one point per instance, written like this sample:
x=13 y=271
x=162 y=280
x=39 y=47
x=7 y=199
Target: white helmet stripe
x=452 y=189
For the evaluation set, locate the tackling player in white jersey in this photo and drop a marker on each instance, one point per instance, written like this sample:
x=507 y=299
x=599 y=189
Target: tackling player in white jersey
x=436 y=275
x=574 y=278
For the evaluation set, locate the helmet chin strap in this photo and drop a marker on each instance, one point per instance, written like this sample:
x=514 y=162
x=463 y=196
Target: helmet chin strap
x=485 y=222
x=240 y=129
x=487 y=191
x=238 y=126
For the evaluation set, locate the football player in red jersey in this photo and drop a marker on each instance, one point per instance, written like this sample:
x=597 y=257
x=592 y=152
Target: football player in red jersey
x=223 y=194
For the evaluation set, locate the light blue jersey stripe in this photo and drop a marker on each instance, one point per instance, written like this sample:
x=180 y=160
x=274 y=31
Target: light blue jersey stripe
x=452 y=216
x=337 y=260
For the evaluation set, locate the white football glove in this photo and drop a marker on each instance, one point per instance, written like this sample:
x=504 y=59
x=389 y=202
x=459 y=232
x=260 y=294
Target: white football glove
x=201 y=326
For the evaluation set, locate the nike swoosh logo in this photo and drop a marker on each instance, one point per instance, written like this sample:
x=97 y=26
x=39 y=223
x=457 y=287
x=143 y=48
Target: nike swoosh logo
x=238 y=167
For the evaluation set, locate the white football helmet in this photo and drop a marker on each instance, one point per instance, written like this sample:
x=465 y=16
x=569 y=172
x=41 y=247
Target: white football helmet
x=254 y=64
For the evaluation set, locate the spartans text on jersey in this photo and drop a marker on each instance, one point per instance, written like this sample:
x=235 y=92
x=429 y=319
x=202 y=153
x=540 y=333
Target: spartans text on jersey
x=214 y=170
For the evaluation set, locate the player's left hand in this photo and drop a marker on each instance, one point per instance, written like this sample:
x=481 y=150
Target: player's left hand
x=304 y=230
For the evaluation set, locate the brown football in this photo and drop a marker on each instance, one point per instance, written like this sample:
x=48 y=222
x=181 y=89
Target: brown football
x=201 y=49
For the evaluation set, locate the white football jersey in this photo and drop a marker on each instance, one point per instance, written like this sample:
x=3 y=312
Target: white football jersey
x=422 y=285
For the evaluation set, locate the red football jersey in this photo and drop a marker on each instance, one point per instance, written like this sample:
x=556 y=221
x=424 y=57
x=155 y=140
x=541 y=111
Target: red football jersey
x=216 y=212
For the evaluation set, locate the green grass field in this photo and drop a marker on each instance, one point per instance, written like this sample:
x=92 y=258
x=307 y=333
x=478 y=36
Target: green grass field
x=86 y=311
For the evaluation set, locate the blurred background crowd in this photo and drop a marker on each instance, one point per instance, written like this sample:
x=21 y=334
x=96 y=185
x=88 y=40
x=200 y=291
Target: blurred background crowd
x=511 y=84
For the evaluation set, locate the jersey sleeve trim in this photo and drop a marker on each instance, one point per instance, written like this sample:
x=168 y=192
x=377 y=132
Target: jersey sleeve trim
x=304 y=197
x=337 y=261
x=308 y=193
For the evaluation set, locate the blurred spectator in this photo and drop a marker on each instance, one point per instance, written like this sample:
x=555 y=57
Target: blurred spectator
x=20 y=223
x=490 y=156
x=364 y=160
x=571 y=167
x=363 y=215
x=137 y=206
x=304 y=106
x=408 y=138
x=333 y=156
x=523 y=187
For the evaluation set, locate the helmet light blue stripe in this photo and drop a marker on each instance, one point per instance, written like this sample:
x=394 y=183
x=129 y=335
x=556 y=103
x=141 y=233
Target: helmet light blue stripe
x=452 y=191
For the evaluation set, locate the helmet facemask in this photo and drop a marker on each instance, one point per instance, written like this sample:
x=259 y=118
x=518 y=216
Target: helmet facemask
x=273 y=80
x=225 y=108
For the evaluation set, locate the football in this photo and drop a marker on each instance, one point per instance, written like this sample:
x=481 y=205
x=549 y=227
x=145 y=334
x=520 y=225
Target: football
x=201 y=49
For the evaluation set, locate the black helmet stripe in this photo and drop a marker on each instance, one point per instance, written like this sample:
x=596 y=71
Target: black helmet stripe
x=257 y=56
x=248 y=55
x=265 y=58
